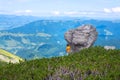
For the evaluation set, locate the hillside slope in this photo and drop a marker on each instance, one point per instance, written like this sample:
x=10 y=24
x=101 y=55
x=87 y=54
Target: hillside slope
x=33 y=39
x=94 y=63
x=9 y=57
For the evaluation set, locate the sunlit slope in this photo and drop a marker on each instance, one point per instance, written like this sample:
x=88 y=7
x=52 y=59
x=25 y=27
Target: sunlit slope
x=9 y=57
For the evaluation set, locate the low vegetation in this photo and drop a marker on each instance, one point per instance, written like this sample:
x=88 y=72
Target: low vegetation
x=94 y=63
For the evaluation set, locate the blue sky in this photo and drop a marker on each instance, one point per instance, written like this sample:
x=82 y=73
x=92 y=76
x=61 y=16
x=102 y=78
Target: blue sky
x=74 y=8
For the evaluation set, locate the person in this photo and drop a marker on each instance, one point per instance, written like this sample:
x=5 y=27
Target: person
x=68 y=49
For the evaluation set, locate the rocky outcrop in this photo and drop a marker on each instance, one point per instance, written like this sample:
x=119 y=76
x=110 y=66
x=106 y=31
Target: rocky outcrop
x=81 y=37
x=109 y=47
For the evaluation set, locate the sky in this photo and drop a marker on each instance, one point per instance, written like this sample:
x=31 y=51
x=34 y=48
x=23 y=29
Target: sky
x=72 y=8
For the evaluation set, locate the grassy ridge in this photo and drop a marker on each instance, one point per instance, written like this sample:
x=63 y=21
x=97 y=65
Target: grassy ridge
x=10 y=55
x=94 y=63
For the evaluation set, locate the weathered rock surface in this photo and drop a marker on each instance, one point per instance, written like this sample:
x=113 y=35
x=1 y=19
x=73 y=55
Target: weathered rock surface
x=81 y=37
x=109 y=47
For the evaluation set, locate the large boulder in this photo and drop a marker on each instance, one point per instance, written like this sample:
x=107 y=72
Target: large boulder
x=81 y=37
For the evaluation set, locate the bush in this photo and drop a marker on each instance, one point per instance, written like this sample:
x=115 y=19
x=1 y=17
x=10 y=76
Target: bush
x=94 y=63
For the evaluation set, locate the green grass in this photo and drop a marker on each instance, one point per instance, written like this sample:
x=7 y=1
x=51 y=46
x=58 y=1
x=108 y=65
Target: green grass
x=94 y=63
x=2 y=64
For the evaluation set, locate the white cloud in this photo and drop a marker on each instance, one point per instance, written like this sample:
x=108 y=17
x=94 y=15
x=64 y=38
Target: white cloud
x=80 y=13
x=28 y=11
x=56 y=12
x=23 y=11
x=116 y=9
x=74 y=13
x=112 y=10
x=106 y=10
x=71 y=13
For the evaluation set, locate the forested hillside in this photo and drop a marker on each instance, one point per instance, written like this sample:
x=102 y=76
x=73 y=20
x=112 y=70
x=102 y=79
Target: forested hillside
x=94 y=63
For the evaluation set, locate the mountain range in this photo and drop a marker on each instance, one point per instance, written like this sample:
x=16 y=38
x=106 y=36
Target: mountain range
x=45 y=37
x=12 y=21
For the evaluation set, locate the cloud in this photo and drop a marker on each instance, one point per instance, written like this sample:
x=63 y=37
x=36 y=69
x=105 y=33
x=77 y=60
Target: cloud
x=28 y=11
x=80 y=13
x=17 y=12
x=56 y=12
x=106 y=10
x=71 y=13
x=112 y=10
x=74 y=13
x=23 y=12
x=116 y=9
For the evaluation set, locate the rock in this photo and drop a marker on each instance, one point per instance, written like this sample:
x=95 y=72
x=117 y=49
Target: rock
x=109 y=47
x=81 y=37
